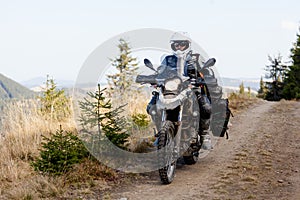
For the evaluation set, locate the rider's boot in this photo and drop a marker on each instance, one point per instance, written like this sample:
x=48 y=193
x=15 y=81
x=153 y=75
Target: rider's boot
x=205 y=140
x=205 y=113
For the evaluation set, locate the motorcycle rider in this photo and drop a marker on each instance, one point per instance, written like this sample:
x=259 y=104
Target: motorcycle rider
x=182 y=54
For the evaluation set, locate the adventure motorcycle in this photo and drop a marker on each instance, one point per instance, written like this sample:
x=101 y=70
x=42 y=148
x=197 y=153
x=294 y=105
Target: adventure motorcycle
x=176 y=115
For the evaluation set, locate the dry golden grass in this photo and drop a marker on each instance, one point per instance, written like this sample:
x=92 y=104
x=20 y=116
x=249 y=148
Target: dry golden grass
x=21 y=130
x=21 y=135
x=20 y=140
x=136 y=102
x=140 y=137
x=238 y=102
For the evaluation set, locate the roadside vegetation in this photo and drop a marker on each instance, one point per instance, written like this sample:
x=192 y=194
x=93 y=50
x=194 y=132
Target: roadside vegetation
x=242 y=99
x=282 y=77
x=43 y=156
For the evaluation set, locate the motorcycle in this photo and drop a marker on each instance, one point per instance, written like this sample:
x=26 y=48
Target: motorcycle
x=176 y=115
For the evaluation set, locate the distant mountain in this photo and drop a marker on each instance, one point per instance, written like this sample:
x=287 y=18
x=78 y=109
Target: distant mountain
x=33 y=82
x=229 y=84
x=10 y=89
x=236 y=82
x=37 y=84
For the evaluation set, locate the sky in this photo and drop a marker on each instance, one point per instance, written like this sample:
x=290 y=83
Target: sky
x=56 y=37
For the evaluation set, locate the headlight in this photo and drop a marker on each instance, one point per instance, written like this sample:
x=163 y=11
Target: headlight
x=172 y=84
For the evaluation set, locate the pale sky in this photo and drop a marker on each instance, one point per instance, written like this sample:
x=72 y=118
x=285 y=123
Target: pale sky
x=56 y=37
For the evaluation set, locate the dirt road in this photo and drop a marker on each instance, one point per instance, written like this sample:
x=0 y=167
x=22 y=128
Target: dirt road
x=261 y=160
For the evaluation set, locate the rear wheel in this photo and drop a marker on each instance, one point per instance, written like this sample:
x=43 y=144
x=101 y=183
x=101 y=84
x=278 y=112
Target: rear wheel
x=166 y=155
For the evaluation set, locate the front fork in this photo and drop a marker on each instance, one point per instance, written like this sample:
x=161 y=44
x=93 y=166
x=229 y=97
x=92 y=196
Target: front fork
x=177 y=137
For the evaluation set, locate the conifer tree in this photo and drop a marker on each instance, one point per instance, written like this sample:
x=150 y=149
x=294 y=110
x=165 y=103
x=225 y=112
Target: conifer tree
x=55 y=103
x=97 y=111
x=291 y=88
x=262 y=89
x=60 y=152
x=249 y=91
x=242 y=88
x=276 y=71
x=122 y=82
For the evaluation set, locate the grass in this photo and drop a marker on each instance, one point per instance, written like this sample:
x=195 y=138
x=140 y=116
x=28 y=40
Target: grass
x=239 y=102
x=21 y=135
x=21 y=130
x=20 y=141
x=141 y=135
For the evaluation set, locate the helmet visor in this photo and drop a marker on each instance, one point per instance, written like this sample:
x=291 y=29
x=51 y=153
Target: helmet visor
x=180 y=45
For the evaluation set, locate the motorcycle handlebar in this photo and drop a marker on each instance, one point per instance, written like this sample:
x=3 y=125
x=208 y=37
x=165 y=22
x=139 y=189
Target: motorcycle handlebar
x=151 y=79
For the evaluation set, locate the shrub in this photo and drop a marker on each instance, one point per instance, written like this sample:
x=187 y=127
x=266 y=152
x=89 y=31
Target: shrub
x=140 y=120
x=59 y=152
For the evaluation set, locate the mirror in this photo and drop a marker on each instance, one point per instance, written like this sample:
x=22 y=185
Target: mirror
x=149 y=64
x=211 y=62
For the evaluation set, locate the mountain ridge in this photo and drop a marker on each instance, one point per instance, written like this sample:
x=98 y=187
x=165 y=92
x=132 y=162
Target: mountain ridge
x=253 y=83
x=10 y=89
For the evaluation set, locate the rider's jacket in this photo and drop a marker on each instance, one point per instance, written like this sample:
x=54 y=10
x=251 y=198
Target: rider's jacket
x=190 y=64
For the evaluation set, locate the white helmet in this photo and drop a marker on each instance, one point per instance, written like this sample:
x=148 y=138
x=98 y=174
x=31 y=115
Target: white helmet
x=180 y=43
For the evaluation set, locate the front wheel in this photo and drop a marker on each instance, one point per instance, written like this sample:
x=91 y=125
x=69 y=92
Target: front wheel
x=166 y=155
x=192 y=159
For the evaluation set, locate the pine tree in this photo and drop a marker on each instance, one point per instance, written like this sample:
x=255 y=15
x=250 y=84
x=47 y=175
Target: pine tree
x=98 y=112
x=249 y=91
x=261 y=93
x=60 y=152
x=242 y=88
x=276 y=73
x=55 y=104
x=291 y=88
x=122 y=82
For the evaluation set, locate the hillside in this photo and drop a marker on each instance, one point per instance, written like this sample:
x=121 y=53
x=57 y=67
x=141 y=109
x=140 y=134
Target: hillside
x=10 y=89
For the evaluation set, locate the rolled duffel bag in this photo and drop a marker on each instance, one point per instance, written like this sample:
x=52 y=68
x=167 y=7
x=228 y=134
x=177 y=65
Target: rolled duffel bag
x=220 y=117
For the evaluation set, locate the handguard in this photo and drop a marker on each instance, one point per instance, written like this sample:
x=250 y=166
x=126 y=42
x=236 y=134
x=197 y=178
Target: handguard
x=146 y=79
